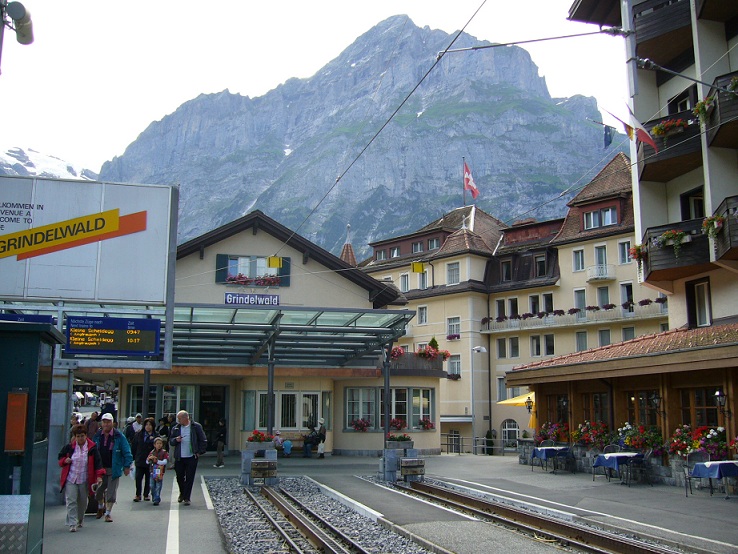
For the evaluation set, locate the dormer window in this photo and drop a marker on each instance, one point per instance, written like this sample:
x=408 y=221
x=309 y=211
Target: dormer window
x=434 y=244
x=381 y=254
x=506 y=271
x=395 y=252
x=417 y=247
x=600 y=218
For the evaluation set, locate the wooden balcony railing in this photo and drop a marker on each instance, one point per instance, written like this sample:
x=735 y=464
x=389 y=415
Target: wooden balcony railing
x=726 y=240
x=663 y=29
x=663 y=264
x=722 y=123
x=678 y=154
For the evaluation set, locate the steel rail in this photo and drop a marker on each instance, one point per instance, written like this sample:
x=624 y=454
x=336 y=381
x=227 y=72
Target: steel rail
x=569 y=534
x=292 y=545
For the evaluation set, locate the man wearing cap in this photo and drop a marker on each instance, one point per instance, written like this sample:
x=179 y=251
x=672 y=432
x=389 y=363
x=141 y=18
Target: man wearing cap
x=130 y=431
x=138 y=423
x=189 y=443
x=115 y=453
x=321 y=438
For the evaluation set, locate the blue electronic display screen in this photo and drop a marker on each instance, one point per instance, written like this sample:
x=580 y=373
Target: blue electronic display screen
x=112 y=335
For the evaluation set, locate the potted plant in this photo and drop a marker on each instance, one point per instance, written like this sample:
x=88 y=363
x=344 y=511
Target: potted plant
x=645 y=302
x=453 y=376
x=704 y=108
x=403 y=441
x=397 y=424
x=397 y=352
x=573 y=311
x=711 y=225
x=592 y=308
x=627 y=305
x=454 y=336
x=259 y=441
x=608 y=307
x=673 y=237
x=426 y=424
x=661 y=300
x=668 y=127
x=361 y=425
x=638 y=253
x=558 y=312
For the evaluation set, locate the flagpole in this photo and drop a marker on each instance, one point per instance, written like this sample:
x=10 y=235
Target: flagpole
x=463 y=188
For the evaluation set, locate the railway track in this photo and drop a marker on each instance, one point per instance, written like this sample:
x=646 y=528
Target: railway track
x=301 y=529
x=571 y=535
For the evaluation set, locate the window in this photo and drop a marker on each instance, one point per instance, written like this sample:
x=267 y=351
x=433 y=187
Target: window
x=604 y=336
x=641 y=410
x=421 y=346
x=452 y=273
x=513 y=305
x=595 y=407
x=540 y=262
x=514 y=347
x=692 y=204
x=454 y=365
x=535 y=345
x=176 y=398
x=135 y=402
x=453 y=326
x=535 y=303
x=548 y=302
x=510 y=433
x=663 y=327
x=395 y=252
x=417 y=247
x=361 y=404
x=629 y=333
x=381 y=255
x=251 y=271
x=548 y=345
x=626 y=298
x=501 y=348
x=600 y=218
x=699 y=312
x=292 y=410
x=422 y=405
x=603 y=296
x=422 y=315
x=423 y=280
x=581 y=340
x=580 y=301
x=500 y=306
x=578 y=260
x=433 y=244
x=699 y=407
x=398 y=404
x=404 y=282
x=506 y=270
x=600 y=255
x=624 y=252
x=501 y=390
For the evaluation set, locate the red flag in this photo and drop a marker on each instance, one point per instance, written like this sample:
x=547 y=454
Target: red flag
x=637 y=131
x=469 y=182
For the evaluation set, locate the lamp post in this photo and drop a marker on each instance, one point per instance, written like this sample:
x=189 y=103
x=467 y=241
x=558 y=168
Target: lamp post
x=478 y=350
x=721 y=401
x=21 y=19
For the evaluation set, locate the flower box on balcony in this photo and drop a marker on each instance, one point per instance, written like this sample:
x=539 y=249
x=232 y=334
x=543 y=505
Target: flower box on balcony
x=453 y=376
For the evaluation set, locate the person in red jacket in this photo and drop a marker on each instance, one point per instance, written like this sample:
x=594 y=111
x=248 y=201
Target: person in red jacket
x=81 y=468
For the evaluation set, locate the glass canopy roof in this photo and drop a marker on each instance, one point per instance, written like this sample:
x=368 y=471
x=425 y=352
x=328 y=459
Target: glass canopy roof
x=206 y=334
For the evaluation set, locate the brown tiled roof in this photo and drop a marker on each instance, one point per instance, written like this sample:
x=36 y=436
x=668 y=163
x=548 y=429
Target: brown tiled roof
x=460 y=241
x=662 y=343
x=612 y=182
x=347 y=254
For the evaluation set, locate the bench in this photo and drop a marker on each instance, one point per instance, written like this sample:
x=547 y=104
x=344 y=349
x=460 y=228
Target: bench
x=297 y=443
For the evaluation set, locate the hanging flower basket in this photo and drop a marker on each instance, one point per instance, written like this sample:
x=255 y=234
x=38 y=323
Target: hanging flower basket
x=712 y=225
x=704 y=108
x=668 y=128
x=674 y=238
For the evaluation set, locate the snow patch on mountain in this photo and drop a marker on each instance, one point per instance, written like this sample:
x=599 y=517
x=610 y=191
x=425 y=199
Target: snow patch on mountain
x=27 y=162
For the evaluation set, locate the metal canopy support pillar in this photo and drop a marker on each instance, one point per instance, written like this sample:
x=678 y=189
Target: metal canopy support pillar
x=270 y=387
x=386 y=404
x=145 y=399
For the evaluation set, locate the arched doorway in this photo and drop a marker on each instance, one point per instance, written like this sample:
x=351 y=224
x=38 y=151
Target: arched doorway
x=510 y=430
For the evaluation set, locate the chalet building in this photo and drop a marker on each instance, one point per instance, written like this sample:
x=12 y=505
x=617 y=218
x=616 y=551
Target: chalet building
x=686 y=228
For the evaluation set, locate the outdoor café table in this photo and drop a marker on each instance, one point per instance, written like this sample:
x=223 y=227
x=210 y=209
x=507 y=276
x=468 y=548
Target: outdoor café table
x=546 y=453
x=716 y=470
x=611 y=461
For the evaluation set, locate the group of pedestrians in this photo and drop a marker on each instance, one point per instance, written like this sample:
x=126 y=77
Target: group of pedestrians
x=92 y=464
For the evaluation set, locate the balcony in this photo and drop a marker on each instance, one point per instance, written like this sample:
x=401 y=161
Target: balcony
x=722 y=126
x=678 y=154
x=717 y=10
x=601 y=272
x=415 y=366
x=663 y=29
x=726 y=240
x=585 y=317
x=662 y=264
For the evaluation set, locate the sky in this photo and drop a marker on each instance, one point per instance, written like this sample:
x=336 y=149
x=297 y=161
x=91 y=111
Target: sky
x=99 y=72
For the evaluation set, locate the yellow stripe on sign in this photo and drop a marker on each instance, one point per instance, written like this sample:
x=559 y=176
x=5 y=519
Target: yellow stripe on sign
x=58 y=233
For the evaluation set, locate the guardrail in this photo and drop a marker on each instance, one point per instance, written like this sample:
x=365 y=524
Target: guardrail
x=457 y=444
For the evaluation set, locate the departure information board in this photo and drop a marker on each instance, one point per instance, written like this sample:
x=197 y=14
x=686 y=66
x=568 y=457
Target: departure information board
x=113 y=336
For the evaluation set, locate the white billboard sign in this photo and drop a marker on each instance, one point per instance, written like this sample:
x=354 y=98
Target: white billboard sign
x=85 y=240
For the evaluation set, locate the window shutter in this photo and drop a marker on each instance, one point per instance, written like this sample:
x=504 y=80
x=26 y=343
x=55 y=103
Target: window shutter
x=221 y=268
x=284 y=273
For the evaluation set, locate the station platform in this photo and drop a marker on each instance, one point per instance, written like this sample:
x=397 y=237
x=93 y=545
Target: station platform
x=700 y=523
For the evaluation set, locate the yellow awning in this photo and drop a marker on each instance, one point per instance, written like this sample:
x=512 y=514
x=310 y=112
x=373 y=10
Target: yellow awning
x=519 y=400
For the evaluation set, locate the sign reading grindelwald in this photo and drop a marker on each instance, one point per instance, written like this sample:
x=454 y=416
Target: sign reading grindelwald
x=248 y=299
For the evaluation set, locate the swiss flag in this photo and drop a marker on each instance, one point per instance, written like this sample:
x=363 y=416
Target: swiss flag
x=469 y=182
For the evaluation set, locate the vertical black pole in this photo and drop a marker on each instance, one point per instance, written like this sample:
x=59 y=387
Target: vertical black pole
x=270 y=389
x=145 y=398
x=386 y=404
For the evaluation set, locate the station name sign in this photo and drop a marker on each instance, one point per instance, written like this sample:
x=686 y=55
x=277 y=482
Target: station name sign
x=113 y=336
x=248 y=299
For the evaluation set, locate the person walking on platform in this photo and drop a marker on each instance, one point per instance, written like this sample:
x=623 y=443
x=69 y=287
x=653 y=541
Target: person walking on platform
x=158 y=459
x=221 y=439
x=115 y=453
x=81 y=469
x=321 y=438
x=189 y=443
x=143 y=443
x=93 y=425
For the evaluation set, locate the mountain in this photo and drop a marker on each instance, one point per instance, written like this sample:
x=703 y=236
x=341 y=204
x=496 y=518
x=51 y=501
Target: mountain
x=282 y=152
x=30 y=163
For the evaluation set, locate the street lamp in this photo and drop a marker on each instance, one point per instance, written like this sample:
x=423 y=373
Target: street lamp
x=21 y=22
x=529 y=404
x=721 y=401
x=478 y=350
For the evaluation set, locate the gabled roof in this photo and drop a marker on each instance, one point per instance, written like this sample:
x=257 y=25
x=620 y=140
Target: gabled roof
x=613 y=182
x=668 y=342
x=459 y=242
x=379 y=293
